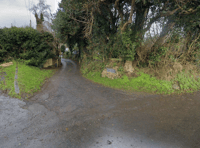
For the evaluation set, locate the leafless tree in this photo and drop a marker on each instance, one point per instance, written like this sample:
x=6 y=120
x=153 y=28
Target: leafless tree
x=40 y=12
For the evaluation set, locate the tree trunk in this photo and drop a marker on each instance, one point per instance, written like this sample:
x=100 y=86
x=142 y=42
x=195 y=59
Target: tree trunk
x=163 y=35
x=141 y=14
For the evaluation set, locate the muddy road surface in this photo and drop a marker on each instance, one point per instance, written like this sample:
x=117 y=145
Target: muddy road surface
x=73 y=112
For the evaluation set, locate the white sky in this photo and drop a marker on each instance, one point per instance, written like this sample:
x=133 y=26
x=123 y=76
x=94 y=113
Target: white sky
x=17 y=13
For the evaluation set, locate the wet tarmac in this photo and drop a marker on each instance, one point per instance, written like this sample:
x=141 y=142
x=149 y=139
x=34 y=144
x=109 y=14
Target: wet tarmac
x=73 y=112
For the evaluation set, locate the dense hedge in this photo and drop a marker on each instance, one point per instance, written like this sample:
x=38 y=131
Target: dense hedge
x=26 y=44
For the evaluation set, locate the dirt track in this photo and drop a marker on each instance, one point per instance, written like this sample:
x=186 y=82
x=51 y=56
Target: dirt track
x=72 y=112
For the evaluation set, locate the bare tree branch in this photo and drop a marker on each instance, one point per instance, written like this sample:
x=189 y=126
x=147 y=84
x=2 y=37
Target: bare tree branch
x=79 y=20
x=119 y=10
x=130 y=17
x=41 y=7
x=184 y=2
x=169 y=13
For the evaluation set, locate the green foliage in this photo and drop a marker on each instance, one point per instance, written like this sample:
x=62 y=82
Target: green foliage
x=112 y=48
x=131 y=46
x=186 y=82
x=172 y=58
x=176 y=36
x=84 y=71
x=3 y=54
x=118 y=45
x=67 y=54
x=142 y=83
x=145 y=82
x=189 y=21
x=46 y=36
x=114 y=64
x=76 y=47
x=27 y=44
x=121 y=69
x=155 y=56
x=8 y=84
x=143 y=64
x=30 y=78
x=63 y=48
x=92 y=66
x=68 y=28
x=72 y=22
x=124 y=79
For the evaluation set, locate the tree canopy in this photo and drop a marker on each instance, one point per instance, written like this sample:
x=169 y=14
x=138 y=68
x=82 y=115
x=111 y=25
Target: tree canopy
x=121 y=25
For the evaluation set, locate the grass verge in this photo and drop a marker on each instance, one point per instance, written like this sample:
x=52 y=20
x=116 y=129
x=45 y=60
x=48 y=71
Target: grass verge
x=7 y=85
x=145 y=83
x=30 y=79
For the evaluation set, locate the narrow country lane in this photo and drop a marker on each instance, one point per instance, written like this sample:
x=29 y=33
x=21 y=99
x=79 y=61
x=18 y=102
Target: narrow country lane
x=73 y=112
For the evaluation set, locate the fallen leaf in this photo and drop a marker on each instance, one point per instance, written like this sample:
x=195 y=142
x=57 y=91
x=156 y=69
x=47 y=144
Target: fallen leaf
x=67 y=129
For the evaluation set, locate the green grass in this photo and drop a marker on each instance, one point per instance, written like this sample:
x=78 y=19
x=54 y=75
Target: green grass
x=9 y=79
x=188 y=84
x=30 y=79
x=145 y=83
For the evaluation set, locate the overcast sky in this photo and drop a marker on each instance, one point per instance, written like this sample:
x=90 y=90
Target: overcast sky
x=17 y=13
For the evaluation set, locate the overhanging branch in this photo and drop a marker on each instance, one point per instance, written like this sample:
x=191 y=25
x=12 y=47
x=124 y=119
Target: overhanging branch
x=130 y=17
x=169 y=13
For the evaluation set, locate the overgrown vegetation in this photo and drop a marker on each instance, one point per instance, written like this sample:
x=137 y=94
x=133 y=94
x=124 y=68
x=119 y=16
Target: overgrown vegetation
x=145 y=83
x=123 y=29
x=63 y=48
